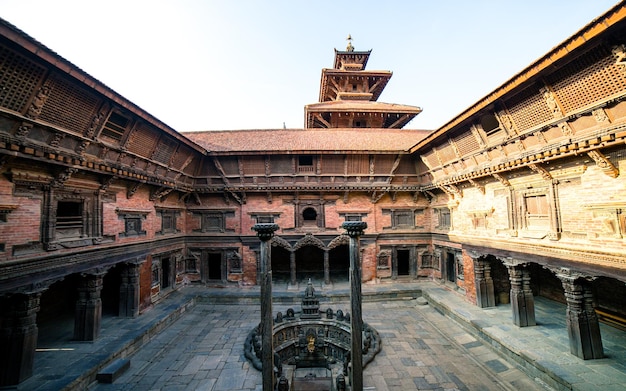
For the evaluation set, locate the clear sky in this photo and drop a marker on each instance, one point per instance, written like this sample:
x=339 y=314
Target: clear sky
x=229 y=64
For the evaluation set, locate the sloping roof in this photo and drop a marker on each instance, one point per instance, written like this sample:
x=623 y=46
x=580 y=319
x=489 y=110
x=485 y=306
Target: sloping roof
x=362 y=106
x=318 y=140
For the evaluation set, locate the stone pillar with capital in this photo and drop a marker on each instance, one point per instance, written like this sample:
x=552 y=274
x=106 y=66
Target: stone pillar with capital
x=583 y=329
x=18 y=336
x=522 y=299
x=88 y=313
x=129 y=291
x=265 y=232
x=355 y=230
x=292 y=269
x=485 y=296
x=326 y=267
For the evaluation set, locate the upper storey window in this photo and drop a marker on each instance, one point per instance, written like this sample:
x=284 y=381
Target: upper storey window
x=489 y=124
x=115 y=127
x=305 y=163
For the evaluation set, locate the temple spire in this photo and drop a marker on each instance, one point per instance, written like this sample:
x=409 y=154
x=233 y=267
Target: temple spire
x=349 y=48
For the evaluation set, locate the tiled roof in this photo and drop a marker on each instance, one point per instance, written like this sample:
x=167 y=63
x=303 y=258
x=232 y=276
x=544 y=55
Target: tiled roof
x=360 y=105
x=289 y=140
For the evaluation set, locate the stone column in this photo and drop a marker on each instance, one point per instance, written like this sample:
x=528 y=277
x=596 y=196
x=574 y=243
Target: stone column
x=18 y=337
x=485 y=296
x=326 y=267
x=394 y=263
x=522 y=299
x=265 y=232
x=292 y=268
x=129 y=291
x=88 y=312
x=355 y=229
x=583 y=329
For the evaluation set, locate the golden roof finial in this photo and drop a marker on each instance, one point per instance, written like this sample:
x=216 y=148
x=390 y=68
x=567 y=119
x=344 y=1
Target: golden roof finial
x=349 y=48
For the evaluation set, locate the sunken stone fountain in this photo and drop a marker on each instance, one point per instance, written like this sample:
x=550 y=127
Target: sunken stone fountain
x=312 y=347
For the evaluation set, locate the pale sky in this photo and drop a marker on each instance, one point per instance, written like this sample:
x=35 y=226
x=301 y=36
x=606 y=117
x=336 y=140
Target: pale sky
x=228 y=64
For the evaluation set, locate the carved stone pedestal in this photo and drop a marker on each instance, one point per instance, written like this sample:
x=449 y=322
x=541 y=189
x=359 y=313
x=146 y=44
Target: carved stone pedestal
x=18 y=337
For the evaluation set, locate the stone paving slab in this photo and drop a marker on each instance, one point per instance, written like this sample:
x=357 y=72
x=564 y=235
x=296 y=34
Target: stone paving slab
x=421 y=350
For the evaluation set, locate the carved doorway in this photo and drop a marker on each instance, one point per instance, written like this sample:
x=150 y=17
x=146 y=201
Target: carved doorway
x=450 y=267
x=404 y=260
x=309 y=264
x=339 y=263
x=167 y=273
x=281 y=264
x=215 y=266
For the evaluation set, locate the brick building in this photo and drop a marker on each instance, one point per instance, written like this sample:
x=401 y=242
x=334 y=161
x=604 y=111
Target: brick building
x=104 y=210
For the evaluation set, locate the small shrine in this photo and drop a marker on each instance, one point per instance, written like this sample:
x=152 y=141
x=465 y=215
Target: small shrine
x=312 y=346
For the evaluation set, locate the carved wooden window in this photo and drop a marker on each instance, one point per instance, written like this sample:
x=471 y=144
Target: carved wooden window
x=427 y=260
x=168 y=220
x=70 y=219
x=19 y=78
x=265 y=219
x=133 y=225
x=489 y=124
x=213 y=222
x=116 y=126
x=305 y=164
x=402 y=218
x=537 y=212
x=444 y=218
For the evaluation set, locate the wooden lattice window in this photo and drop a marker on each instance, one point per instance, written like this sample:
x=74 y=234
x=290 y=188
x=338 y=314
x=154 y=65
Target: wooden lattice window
x=254 y=165
x=431 y=159
x=590 y=78
x=19 y=78
x=116 y=126
x=143 y=140
x=333 y=164
x=446 y=153
x=69 y=106
x=164 y=150
x=529 y=109
x=537 y=210
x=466 y=143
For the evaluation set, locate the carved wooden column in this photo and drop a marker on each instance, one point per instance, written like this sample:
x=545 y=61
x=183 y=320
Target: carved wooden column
x=485 y=296
x=394 y=263
x=355 y=230
x=522 y=300
x=265 y=232
x=88 y=312
x=583 y=329
x=129 y=291
x=292 y=268
x=326 y=267
x=18 y=337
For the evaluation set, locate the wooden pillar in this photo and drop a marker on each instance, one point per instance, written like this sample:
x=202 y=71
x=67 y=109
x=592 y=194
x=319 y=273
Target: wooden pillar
x=355 y=230
x=18 y=337
x=265 y=232
x=522 y=300
x=326 y=267
x=292 y=268
x=485 y=296
x=129 y=291
x=88 y=312
x=583 y=329
x=394 y=263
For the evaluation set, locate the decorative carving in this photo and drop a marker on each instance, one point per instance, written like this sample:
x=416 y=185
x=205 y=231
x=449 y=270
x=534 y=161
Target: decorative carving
x=132 y=190
x=23 y=130
x=37 y=104
x=541 y=171
x=600 y=115
x=605 y=164
x=566 y=129
x=63 y=177
x=502 y=179
x=160 y=193
x=619 y=52
x=309 y=240
x=551 y=101
x=478 y=137
x=477 y=185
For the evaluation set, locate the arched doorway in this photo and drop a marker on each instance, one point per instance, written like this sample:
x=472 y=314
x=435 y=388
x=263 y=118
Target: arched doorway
x=281 y=265
x=339 y=263
x=309 y=264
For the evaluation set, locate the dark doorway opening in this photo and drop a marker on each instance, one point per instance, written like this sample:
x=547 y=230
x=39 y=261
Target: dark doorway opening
x=57 y=307
x=215 y=266
x=110 y=294
x=309 y=264
x=339 y=263
x=403 y=262
x=281 y=265
x=450 y=271
x=166 y=268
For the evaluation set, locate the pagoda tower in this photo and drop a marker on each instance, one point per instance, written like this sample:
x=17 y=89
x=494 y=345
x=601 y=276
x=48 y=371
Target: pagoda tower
x=349 y=96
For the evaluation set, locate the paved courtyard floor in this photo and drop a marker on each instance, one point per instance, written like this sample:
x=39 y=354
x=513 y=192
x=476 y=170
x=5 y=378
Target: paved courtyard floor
x=422 y=350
